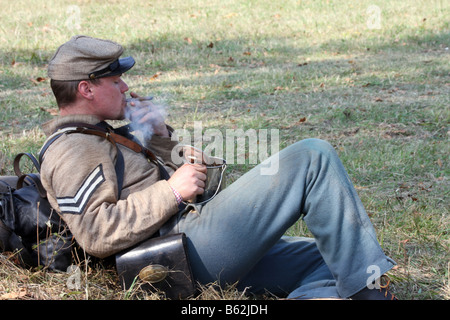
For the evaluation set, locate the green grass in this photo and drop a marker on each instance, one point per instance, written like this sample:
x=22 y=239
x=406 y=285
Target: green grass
x=307 y=68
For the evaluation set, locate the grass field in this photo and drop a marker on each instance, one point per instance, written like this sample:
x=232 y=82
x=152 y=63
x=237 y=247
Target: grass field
x=371 y=77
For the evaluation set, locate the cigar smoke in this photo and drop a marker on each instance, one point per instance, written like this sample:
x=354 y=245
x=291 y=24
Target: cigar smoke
x=144 y=115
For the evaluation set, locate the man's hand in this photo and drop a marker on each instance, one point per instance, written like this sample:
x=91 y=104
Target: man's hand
x=189 y=180
x=146 y=113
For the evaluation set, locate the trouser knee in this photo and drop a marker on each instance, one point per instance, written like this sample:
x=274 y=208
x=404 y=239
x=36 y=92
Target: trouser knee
x=315 y=145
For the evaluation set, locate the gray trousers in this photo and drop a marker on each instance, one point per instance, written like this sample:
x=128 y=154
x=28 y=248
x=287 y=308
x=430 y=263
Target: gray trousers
x=238 y=235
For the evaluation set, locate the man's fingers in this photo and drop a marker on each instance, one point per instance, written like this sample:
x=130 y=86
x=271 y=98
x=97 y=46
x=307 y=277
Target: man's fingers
x=199 y=167
x=189 y=180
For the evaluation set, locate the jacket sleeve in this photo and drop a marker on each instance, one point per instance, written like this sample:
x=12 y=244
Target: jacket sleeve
x=163 y=146
x=79 y=175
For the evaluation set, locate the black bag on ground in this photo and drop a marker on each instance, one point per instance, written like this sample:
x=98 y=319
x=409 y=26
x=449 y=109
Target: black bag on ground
x=30 y=226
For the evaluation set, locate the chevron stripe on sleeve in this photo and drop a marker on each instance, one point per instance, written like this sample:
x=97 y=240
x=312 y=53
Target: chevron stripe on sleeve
x=77 y=203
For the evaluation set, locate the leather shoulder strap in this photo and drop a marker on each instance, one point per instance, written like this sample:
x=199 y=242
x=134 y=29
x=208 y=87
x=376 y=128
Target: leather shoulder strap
x=104 y=130
x=121 y=136
x=16 y=163
x=28 y=177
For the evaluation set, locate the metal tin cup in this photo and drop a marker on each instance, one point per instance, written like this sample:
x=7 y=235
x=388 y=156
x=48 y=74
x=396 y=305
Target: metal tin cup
x=215 y=168
x=214 y=180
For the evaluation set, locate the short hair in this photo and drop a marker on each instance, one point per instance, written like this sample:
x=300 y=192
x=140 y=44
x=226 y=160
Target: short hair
x=65 y=92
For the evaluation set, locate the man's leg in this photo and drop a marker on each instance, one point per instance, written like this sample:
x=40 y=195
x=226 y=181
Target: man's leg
x=232 y=232
x=293 y=267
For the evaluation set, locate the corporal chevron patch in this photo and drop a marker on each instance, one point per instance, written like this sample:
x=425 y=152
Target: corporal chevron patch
x=77 y=203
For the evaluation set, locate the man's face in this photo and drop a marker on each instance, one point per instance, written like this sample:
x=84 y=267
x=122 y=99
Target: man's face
x=109 y=98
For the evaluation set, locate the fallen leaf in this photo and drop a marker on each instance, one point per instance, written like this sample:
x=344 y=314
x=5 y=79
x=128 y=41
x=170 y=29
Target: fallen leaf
x=35 y=81
x=299 y=122
x=52 y=111
x=230 y=15
x=210 y=45
x=14 y=295
x=188 y=40
x=155 y=76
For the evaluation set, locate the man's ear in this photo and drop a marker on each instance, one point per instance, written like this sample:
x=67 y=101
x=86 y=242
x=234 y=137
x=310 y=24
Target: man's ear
x=84 y=89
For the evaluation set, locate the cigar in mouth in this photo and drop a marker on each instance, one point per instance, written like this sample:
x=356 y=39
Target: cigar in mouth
x=139 y=99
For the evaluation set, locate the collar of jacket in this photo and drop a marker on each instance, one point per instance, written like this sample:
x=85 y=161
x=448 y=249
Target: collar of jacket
x=50 y=126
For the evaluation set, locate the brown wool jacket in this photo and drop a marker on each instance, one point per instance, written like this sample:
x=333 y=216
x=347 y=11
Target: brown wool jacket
x=79 y=175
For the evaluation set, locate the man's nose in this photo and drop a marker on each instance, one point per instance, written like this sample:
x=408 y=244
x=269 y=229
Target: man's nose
x=124 y=86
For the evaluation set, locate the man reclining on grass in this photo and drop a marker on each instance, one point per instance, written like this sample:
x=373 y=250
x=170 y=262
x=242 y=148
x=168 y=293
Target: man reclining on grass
x=235 y=237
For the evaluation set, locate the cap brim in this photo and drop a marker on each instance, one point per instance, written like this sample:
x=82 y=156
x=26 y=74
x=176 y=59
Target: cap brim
x=125 y=64
x=115 y=68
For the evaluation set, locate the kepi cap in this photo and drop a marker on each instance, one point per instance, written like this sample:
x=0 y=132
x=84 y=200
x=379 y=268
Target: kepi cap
x=84 y=58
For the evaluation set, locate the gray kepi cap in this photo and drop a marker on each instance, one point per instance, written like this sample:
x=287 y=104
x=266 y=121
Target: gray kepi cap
x=84 y=58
